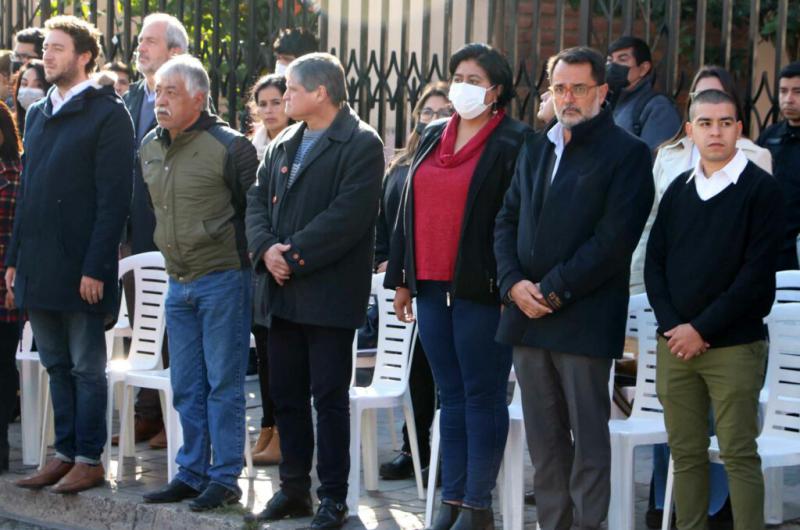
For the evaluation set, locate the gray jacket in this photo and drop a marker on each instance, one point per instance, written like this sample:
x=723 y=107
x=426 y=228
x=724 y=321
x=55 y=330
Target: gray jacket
x=659 y=118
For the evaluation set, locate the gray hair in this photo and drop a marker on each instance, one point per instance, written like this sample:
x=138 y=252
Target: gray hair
x=320 y=69
x=191 y=71
x=176 y=33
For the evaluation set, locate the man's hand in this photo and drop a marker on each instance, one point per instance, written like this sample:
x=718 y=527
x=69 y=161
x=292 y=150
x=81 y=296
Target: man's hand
x=382 y=267
x=91 y=290
x=276 y=263
x=529 y=299
x=685 y=342
x=402 y=305
x=11 y=275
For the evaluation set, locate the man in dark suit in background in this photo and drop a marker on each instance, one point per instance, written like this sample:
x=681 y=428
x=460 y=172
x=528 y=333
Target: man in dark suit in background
x=161 y=38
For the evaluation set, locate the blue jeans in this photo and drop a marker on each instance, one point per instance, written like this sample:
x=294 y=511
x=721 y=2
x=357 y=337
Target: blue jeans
x=208 y=325
x=72 y=347
x=471 y=373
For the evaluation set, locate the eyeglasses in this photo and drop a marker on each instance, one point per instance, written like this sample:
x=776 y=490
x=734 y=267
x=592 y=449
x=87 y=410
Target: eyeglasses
x=579 y=91
x=429 y=113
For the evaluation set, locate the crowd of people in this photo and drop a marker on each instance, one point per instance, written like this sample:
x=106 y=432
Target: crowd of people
x=521 y=247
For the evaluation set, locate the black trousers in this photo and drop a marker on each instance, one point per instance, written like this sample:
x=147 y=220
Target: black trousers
x=306 y=361
x=261 y=335
x=9 y=380
x=423 y=398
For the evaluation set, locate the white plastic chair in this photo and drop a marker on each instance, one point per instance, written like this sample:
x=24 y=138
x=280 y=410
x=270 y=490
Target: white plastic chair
x=147 y=337
x=389 y=388
x=645 y=426
x=779 y=441
x=512 y=491
x=787 y=287
x=34 y=383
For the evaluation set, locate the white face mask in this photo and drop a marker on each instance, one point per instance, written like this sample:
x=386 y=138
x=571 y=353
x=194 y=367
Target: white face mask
x=280 y=68
x=28 y=96
x=468 y=100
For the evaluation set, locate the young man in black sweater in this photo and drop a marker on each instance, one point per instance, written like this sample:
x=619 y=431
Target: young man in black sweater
x=710 y=277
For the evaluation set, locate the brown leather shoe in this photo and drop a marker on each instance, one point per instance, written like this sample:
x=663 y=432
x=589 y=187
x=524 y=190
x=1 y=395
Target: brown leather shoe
x=82 y=477
x=144 y=429
x=159 y=441
x=53 y=471
x=272 y=454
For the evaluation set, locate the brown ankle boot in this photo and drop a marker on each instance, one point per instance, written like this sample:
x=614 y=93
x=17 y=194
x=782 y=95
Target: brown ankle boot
x=271 y=455
x=263 y=439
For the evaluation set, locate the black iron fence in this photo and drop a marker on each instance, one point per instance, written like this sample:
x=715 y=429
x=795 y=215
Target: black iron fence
x=234 y=38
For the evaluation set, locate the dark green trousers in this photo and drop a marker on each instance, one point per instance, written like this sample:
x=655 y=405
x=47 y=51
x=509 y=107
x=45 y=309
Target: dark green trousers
x=728 y=380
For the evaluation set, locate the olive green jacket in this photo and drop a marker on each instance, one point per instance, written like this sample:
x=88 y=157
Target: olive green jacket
x=198 y=185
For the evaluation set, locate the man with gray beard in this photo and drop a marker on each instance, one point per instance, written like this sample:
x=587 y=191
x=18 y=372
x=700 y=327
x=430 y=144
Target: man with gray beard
x=563 y=243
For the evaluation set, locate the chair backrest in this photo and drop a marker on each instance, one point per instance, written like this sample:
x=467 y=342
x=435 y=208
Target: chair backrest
x=782 y=416
x=26 y=341
x=147 y=327
x=645 y=401
x=635 y=303
x=395 y=343
x=787 y=287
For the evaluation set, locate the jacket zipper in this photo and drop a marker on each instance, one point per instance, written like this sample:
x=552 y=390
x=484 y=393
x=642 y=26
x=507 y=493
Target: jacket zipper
x=448 y=297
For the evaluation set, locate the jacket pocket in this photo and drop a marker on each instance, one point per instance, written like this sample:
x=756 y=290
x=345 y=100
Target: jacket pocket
x=218 y=228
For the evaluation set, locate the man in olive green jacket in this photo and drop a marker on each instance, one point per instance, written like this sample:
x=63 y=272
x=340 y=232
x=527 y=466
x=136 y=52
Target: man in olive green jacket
x=197 y=171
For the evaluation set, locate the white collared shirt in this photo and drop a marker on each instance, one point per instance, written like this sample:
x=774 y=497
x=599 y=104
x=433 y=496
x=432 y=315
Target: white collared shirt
x=58 y=101
x=150 y=96
x=556 y=136
x=708 y=187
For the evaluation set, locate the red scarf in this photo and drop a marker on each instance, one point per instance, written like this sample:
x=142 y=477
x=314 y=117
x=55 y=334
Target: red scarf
x=441 y=185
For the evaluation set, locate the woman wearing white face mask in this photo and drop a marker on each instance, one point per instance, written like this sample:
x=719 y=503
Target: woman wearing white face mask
x=31 y=86
x=441 y=252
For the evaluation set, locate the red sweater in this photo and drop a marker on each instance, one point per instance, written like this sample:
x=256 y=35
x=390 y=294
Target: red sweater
x=441 y=184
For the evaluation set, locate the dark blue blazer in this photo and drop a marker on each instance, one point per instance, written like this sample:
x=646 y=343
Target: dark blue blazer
x=576 y=239
x=73 y=201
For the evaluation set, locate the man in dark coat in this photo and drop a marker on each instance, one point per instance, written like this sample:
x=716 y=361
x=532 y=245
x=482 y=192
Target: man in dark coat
x=162 y=37
x=62 y=261
x=311 y=227
x=563 y=243
x=783 y=141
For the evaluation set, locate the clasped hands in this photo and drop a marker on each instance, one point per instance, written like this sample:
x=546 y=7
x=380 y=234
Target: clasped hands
x=529 y=299
x=276 y=263
x=685 y=342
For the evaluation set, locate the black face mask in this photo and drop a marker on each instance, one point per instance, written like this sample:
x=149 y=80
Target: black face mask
x=420 y=127
x=617 y=79
x=15 y=66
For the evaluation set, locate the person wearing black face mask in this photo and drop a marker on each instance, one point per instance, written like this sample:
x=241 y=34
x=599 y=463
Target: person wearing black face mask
x=617 y=79
x=432 y=105
x=638 y=108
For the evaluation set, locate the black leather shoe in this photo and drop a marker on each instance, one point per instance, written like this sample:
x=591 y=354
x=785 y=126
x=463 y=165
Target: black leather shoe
x=175 y=491
x=653 y=517
x=446 y=516
x=723 y=519
x=402 y=467
x=281 y=506
x=330 y=514
x=215 y=496
x=474 y=519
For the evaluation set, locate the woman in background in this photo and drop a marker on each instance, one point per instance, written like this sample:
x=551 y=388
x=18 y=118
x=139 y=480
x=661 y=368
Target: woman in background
x=31 y=86
x=267 y=107
x=10 y=167
x=432 y=105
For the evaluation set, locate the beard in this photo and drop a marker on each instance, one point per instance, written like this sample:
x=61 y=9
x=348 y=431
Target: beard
x=578 y=115
x=66 y=76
